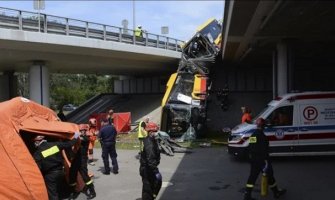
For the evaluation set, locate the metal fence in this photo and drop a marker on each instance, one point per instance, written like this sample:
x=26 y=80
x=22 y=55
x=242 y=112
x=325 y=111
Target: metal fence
x=30 y=21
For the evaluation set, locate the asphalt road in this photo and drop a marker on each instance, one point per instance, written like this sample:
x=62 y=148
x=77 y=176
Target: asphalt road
x=210 y=174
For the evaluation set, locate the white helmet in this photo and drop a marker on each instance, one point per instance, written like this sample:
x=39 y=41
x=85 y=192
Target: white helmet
x=139 y=26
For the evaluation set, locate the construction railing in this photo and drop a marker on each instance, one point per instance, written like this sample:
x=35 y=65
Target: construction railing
x=31 y=21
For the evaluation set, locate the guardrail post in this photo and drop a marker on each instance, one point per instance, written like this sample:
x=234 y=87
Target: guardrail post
x=176 y=44
x=45 y=24
x=104 y=27
x=157 y=42
x=134 y=37
x=67 y=29
x=120 y=34
x=146 y=39
x=167 y=43
x=86 y=29
x=20 y=20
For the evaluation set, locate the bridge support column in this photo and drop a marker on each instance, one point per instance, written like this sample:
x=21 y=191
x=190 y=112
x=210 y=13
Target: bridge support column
x=282 y=69
x=8 y=85
x=39 y=83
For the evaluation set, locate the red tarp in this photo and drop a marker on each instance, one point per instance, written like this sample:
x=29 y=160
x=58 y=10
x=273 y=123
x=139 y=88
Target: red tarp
x=20 y=176
x=121 y=121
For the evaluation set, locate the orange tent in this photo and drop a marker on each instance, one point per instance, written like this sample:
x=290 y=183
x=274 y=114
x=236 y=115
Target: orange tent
x=19 y=117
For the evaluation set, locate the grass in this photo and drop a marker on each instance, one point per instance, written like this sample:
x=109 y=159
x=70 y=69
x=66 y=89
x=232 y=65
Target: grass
x=214 y=138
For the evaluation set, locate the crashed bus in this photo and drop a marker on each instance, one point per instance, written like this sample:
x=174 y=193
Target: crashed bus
x=184 y=103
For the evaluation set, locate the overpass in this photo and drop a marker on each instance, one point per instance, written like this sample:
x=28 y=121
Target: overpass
x=288 y=44
x=50 y=44
x=270 y=48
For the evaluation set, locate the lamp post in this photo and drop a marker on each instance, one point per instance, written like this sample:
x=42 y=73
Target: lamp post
x=39 y=5
x=134 y=22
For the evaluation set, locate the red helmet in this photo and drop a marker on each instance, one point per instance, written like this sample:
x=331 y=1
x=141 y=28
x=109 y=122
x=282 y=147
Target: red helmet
x=83 y=127
x=260 y=122
x=92 y=122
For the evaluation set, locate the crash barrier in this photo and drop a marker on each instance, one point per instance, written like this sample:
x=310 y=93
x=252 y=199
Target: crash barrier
x=39 y=22
x=121 y=121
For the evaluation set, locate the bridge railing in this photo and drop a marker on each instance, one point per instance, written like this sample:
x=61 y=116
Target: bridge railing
x=31 y=21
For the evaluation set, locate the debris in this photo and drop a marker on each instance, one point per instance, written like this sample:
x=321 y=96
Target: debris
x=205 y=144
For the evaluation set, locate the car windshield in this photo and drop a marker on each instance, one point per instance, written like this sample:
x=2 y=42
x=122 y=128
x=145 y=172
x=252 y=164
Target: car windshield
x=264 y=113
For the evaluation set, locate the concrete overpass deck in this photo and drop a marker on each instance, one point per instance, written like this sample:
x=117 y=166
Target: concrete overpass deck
x=75 y=46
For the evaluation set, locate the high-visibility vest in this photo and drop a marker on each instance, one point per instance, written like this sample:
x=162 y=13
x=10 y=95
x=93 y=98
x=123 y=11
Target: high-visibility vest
x=141 y=132
x=138 y=32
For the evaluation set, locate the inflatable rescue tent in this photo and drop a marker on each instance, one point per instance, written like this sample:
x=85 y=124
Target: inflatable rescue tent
x=21 y=120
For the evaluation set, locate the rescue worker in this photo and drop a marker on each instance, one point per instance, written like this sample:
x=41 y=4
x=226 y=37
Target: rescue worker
x=107 y=137
x=246 y=115
x=259 y=158
x=149 y=161
x=141 y=132
x=50 y=161
x=139 y=31
x=92 y=134
x=110 y=117
x=79 y=164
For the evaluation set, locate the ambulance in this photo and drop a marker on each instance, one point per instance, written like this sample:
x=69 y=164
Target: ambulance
x=296 y=124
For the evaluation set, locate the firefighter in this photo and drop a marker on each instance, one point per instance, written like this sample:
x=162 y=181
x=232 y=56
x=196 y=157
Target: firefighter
x=149 y=161
x=141 y=132
x=246 y=115
x=259 y=158
x=50 y=161
x=79 y=164
x=92 y=135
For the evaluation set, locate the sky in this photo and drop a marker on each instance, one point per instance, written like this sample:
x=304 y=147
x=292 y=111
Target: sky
x=182 y=17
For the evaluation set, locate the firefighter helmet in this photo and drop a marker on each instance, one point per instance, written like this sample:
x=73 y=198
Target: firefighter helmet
x=260 y=122
x=92 y=122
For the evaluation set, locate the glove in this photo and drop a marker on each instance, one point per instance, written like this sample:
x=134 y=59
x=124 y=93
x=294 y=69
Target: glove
x=265 y=167
x=158 y=176
x=76 y=135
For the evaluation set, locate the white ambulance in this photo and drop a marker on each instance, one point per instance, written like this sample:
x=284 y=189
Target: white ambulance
x=296 y=124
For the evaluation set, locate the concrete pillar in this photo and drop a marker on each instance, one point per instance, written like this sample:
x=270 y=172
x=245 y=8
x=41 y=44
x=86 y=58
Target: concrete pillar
x=8 y=85
x=282 y=70
x=39 y=83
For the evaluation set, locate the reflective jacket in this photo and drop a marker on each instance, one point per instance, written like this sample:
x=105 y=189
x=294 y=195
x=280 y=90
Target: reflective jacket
x=141 y=133
x=48 y=155
x=258 y=146
x=138 y=32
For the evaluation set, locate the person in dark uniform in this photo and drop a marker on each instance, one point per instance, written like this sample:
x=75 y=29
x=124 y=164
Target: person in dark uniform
x=79 y=164
x=50 y=161
x=107 y=138
x=260 y=161
x=149 y=161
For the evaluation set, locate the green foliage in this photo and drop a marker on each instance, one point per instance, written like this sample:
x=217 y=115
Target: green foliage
x=77 y=88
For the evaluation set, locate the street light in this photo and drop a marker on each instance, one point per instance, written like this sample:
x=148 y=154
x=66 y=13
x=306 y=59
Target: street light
x=39 y=5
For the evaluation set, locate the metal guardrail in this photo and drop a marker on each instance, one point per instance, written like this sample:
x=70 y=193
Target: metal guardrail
x=30 y=21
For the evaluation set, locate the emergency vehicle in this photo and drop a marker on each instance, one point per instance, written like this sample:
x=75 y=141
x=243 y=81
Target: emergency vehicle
x=296 y=124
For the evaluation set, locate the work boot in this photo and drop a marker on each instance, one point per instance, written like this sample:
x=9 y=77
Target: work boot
x=247 y=194
x=91 y=192
x=277 y=192
x=74 y=194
